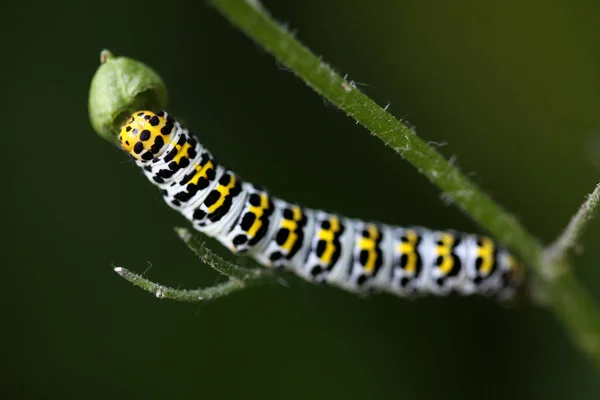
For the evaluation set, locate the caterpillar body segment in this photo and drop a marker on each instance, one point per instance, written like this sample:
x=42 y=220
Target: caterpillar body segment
x=251 y=227
x=318 y=246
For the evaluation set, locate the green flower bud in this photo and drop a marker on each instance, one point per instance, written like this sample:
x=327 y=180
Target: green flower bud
x=120 y=87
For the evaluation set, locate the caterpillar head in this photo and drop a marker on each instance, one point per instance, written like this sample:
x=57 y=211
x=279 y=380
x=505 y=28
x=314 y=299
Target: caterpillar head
x=146 y=135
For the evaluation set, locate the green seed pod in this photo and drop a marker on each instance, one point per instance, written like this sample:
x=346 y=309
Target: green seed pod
x=120 y=87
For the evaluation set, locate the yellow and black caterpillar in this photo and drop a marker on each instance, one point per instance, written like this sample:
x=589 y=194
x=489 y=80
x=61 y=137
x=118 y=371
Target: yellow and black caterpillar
x=316 y=245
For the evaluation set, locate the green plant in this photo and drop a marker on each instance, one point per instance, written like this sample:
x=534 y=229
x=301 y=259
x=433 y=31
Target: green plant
x=555 y=282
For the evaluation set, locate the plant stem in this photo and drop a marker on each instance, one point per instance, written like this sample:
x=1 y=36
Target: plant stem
x=573 y=305
x=196 y=243
x=188 y=296
x=239 y=278
x=570 y=236
x=569 y=300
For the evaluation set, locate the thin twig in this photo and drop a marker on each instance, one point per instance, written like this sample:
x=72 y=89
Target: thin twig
x=189 y=296
x=184 y=295
x=196 y=243
x=572 y=233
x=239 y=277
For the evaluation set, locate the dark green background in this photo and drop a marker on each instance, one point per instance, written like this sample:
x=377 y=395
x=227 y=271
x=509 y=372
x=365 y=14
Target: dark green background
x=513 y=88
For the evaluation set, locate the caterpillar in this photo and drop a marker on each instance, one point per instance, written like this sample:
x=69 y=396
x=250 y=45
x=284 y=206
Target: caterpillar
x=316 y=245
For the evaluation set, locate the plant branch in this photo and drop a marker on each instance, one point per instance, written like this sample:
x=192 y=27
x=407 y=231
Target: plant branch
x=573 y=305
x=572 y=233
x=196 y=243
x=188 y=296
x=570 y=302
x=239 y=278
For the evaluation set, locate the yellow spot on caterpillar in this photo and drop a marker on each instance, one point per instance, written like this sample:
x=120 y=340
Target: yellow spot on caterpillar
x=444 y=250
x=223 y=192
x=201 y=172
x=258 y=212
x=292 y=237
x=370 y=245
x=409 y=248
x=292 y=226
x=297 y=213
x=328 y=236
x=486 y=253
x=182 y=151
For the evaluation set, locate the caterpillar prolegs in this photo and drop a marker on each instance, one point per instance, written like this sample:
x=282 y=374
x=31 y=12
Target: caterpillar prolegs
x=318 y=246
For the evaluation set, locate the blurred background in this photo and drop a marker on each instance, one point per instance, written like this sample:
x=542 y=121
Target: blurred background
x=511 y=88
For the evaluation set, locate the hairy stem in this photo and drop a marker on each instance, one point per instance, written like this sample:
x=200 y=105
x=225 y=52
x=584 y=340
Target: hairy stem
x=188 y=296
x=239 y=278
x=196 y=243
x=569 y=300
x=572 y=233
x=573 y=305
